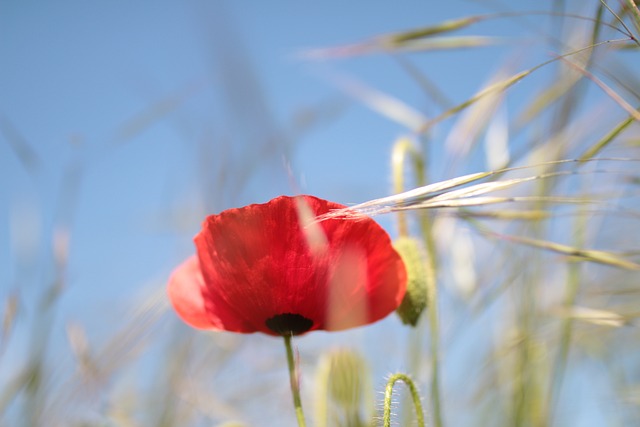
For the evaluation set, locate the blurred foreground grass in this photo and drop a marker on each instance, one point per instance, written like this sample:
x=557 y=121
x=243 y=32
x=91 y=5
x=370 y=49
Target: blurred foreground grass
x=535 y=265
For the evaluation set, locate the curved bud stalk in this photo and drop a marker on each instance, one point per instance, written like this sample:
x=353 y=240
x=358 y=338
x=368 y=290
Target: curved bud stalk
x=415 y=395
x=403 y=150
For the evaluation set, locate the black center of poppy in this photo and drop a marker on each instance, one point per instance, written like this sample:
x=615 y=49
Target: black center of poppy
x=289 y=324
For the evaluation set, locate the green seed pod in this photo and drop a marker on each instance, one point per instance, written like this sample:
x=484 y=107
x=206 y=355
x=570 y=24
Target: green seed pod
x=417 y=297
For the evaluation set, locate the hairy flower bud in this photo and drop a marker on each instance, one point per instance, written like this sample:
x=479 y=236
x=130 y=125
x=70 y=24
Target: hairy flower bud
x=416 y=299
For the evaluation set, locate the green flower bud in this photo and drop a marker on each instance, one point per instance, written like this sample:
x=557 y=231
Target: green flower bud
x=343 y=383
x=417 y=297
x=346 y=375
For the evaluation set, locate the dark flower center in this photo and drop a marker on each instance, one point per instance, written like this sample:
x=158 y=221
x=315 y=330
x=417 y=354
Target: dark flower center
x=289 y=324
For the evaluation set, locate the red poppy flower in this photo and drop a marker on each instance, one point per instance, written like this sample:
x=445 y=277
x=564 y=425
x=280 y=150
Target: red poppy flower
x=272 y=268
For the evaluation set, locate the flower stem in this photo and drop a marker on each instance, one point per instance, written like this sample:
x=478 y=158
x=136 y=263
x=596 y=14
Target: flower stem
x=386 y=416
x=294 y=381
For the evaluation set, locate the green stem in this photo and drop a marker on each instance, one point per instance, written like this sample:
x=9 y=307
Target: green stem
x=294 y=381
x=386 y=416
x=566 y=329
x=435 y=358
x=404 y=149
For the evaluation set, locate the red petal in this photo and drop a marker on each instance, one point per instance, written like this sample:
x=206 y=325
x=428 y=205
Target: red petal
x=258 y=262
x=368 y=277
x=186 y=288
x=192 y=301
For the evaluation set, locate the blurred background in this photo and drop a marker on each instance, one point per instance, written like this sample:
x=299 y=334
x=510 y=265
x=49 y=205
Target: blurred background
x=123 y=124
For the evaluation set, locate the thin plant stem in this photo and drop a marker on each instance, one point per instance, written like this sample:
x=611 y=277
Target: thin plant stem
x=388 y=392
x=435 y=358
x=426 y=227
x=404 y=149
x=566 y=330
x=434 y=323
x=294 y=381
